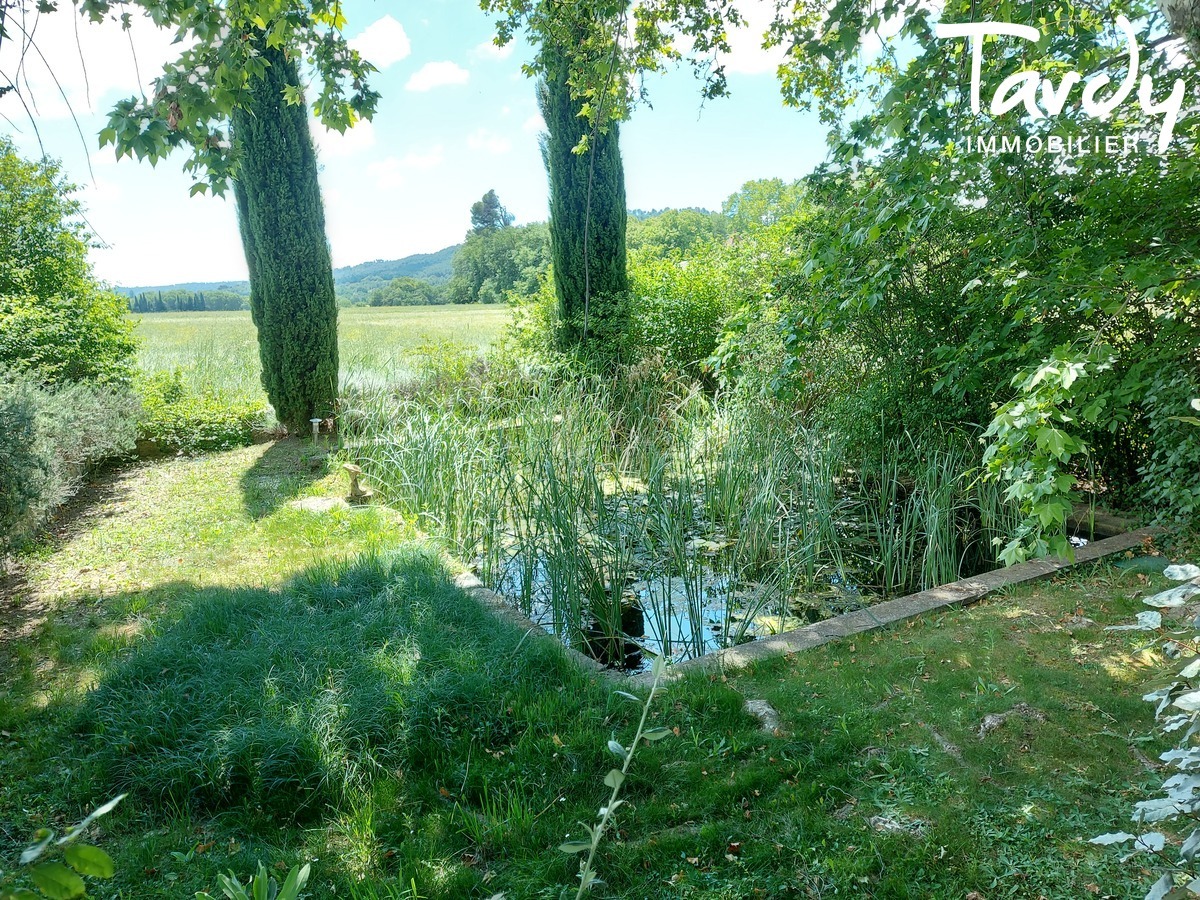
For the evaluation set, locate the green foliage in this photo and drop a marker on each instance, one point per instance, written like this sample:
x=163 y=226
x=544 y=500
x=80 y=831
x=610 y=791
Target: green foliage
x=764 y=202
x=55 y=320
x=354 y=284
x=587 y=216
x=488 y=214
x=54 y=880
x=405 y=292
x=678 y=231
x=51 y=439
x=176 y=416
x=495 y=264
x=283 y=232
x=222 y=71
x=1172 y=474
x=183 y=300
x=26 y=465
x=1003 y=262
x=262 y=886
x=681 y=305
x=612 y=45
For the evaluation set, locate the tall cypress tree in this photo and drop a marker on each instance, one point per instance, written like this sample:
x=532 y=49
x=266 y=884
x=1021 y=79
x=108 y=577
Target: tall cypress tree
x=587 y=217
x=282 y=222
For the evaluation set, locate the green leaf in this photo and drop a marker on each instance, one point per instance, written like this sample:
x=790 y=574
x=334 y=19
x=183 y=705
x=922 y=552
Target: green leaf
x=615 y=778
x=657 y=734
x=20 y=894
x=57 y=882
x=617 y=750
x=102 y=810
x=294 y=884
x=88 y=860
x=659 y=667
x=625 y=695
x=43 y=836
x=575 y=846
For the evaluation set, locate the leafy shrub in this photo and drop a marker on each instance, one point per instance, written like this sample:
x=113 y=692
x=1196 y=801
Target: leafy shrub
x=51 y=439
x=533 y=329
x=176 y=417
x=1172 y=476
x=55 y=319
x=680 y=307
x=26 y=465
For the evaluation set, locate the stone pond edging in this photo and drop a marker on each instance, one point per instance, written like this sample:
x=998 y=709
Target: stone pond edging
x=889 y=612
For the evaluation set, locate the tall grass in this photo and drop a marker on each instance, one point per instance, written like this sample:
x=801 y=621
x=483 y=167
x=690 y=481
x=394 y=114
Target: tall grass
x=216 y=353
x=564 y=490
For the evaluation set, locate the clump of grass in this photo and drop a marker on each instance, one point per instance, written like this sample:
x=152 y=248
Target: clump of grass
x=296 y=701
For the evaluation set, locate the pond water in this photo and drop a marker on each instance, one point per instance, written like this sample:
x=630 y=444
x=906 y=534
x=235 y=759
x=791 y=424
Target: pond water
x=680 y=617
x=684 y=618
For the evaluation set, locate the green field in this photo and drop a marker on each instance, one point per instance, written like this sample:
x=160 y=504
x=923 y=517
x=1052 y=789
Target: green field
x=217 y=350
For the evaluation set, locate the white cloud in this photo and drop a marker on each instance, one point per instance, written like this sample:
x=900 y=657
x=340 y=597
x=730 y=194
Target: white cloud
x=383 y=43
x=488 y=50
x=388 y=173
x=436 y=74
x=392 y=172
x=489 y=142
x=103 y=62
x=331 y=145
x=534 y=124
x=430 y=159
x=748 y=56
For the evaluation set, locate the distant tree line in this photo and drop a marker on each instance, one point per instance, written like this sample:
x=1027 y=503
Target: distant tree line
x=501 y=261
x=178 y=300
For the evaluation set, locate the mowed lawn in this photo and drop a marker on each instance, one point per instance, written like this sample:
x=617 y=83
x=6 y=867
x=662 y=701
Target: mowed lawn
x=217 y=350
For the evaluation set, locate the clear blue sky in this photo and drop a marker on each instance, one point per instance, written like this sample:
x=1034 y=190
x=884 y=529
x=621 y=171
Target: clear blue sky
x=457 y=118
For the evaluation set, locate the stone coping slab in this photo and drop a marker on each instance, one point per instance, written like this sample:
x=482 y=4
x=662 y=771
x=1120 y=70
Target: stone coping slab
x=957 y=593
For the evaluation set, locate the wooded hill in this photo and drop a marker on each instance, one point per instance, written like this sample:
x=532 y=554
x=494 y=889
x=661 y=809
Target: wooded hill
x=353 y=283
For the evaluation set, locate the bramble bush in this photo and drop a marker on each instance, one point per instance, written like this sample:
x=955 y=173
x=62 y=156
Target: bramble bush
x=176 y=417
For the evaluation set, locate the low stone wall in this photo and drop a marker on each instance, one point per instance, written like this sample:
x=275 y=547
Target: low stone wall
x=957 y=593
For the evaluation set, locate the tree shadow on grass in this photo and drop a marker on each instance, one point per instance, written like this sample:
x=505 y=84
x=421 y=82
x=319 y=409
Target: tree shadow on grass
x=373 y=683
x=282 y=473
x=296 y=701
